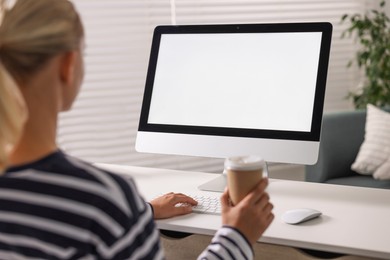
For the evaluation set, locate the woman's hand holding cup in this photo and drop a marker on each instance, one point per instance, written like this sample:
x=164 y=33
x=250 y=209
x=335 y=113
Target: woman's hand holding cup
x=245 y=204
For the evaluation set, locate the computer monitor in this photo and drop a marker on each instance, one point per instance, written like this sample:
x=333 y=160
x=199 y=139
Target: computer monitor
x=242 y=89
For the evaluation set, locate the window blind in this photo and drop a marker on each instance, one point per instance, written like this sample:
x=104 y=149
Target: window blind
x=103 y=123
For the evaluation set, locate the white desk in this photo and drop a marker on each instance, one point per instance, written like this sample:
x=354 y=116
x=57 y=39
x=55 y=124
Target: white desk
x=355 y=221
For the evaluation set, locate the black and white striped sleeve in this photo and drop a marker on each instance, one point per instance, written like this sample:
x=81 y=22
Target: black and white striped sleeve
x=227 y=243
x=138 y=237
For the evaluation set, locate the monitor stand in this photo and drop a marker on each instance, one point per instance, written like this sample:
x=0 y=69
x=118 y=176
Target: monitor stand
x=218 y=184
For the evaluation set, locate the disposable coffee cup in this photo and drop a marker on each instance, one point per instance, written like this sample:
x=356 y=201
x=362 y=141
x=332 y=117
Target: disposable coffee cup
x=243 y=174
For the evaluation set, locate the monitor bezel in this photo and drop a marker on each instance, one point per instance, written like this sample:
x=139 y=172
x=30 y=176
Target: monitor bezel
x=314 y=134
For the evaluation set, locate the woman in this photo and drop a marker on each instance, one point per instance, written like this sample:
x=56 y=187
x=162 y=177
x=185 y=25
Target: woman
x=53 y=206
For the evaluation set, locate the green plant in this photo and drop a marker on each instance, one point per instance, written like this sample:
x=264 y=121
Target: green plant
x=373 y=33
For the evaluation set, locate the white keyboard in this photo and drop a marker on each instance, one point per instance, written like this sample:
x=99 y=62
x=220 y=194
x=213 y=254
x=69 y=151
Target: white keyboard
x=207 y=204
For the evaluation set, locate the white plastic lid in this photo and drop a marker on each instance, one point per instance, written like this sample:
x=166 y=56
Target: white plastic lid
x=244 y=163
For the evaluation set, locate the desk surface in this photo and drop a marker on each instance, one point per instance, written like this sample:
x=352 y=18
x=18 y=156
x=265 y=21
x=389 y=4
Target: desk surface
x=354 y=221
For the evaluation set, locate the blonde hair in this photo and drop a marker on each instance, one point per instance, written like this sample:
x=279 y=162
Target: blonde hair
x=13 y=114
x=31 y=32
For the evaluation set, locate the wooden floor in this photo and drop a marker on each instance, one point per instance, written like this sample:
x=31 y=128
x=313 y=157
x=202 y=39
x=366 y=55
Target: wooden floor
x=190 y=247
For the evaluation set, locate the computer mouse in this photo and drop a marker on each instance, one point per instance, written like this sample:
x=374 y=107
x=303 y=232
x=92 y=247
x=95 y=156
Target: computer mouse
x=296 y=216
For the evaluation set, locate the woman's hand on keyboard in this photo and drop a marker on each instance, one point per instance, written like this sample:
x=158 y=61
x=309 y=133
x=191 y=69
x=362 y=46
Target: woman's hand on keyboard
x=166 y=206
x=252 y=215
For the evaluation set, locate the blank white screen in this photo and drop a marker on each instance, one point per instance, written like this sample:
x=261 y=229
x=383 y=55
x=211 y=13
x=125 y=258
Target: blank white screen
x=249 y=80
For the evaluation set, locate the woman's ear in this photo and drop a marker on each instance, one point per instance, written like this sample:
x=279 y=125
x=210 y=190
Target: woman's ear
x=68 y=80
x=67 y=67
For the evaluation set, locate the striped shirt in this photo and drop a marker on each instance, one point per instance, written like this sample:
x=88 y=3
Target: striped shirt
x=60 y=207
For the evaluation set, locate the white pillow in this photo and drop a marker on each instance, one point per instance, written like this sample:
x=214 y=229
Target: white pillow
x=375 y=150
x=383 y=172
